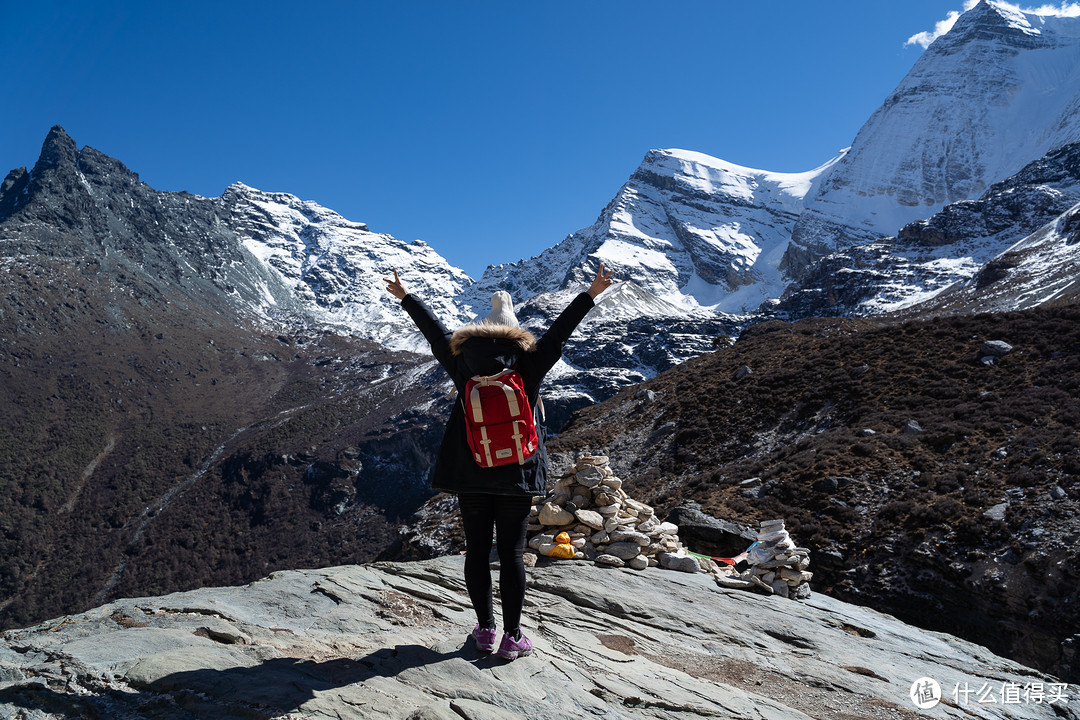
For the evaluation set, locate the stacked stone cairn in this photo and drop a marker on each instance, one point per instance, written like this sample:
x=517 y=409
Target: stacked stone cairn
x=776 y=564
x=589 y=510
x=588 y=516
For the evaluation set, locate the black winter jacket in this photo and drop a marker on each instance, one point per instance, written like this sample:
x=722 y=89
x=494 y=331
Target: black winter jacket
x=486 y=350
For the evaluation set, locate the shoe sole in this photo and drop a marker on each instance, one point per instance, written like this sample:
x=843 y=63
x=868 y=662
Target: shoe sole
x=514 y=654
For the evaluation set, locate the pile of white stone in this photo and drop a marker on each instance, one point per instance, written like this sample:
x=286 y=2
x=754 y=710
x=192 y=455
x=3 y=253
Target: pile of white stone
x=776 y=564
x=604 y=524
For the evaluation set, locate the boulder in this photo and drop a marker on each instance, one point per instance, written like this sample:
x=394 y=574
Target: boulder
x=707 y=534
x=912 y=428
x=589 y=477
x=607 y=559
x=624 y=550
x=641 y=539
x=591 y=518
x=552 y=514
x=996 y=348
x=682 y=563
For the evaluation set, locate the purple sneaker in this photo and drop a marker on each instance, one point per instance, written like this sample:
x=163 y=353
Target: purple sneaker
x=484 y=638
x=511 y=649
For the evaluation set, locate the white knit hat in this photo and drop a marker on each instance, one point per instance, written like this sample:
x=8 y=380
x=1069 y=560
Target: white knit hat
x=503 y=314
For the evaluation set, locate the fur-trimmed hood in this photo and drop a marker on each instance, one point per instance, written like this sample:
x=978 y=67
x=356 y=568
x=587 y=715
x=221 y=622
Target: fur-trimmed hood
x=493 y=331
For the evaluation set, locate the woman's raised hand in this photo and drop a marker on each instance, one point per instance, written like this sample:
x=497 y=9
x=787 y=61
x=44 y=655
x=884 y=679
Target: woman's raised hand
x=395 y=288
x=600 y=283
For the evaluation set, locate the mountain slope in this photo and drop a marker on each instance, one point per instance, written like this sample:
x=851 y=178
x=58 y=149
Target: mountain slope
x=963 y=243
x=926 y=481
x=332 y=267
x=1041 y=269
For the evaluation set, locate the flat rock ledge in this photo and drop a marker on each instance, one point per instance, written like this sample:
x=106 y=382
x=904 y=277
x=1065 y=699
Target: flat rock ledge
x=390 y=640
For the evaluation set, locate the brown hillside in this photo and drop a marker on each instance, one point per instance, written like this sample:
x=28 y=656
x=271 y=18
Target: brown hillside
x=149 y=444
x=969 y=526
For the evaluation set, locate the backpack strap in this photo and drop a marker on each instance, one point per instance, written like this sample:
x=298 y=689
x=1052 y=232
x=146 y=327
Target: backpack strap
x=489 y=381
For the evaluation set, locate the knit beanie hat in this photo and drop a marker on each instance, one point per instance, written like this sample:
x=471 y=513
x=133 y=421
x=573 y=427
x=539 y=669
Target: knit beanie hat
x=503 y=314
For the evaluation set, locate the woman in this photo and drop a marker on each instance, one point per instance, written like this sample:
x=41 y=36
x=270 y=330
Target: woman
x=495 y=497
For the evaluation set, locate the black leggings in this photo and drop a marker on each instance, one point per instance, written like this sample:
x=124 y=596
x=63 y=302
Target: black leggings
x=508 y=515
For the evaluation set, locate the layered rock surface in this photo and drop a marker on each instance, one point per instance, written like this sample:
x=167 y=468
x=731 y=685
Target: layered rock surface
x=389 y=640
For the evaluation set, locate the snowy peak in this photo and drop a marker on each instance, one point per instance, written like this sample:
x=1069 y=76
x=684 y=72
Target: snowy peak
x=697 y=232
x=999 y=90
x=989 y=21
x=694 y=173
x=335 y=266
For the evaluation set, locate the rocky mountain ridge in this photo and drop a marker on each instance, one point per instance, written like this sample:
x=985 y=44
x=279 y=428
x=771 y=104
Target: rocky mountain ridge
x=966 y=244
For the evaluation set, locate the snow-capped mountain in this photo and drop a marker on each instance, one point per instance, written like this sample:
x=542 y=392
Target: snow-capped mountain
x=270 y=257
x=334 y=266
x=999 y=90
x=700 y=234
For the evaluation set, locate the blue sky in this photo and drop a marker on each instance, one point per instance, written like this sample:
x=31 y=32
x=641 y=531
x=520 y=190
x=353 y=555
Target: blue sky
x=491 y=130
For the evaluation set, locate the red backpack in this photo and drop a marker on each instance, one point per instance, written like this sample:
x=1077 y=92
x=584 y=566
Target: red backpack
x=499 y=421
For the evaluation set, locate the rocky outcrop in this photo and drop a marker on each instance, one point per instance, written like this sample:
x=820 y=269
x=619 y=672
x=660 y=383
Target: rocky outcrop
x=390 y=640
x=708 y=534
x=1041 y=269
